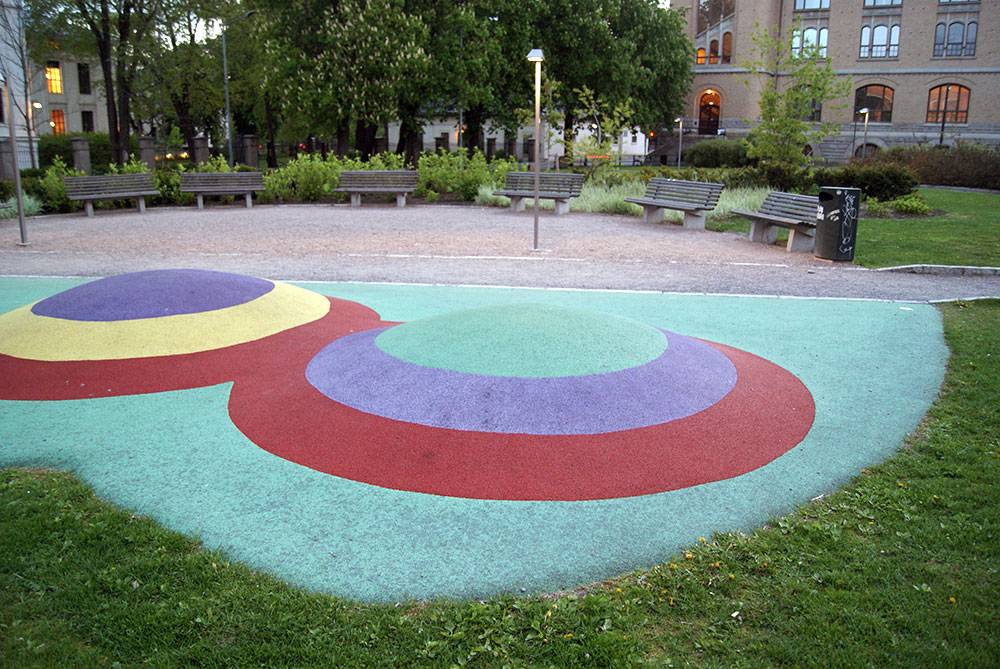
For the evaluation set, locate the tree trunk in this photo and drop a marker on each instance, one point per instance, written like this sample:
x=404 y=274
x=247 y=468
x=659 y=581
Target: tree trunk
x=364 y=138
x=182 y=107
x=569 y=135
x=272 y=149
x=474 y=128
x=343 y=138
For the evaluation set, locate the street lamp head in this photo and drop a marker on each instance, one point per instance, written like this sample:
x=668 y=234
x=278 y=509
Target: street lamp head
x=864 y=110
x=536 y=56
x=36 y=104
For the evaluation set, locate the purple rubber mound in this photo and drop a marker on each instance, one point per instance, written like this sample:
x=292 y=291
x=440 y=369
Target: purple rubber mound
x=152 y=294
x=688 y=378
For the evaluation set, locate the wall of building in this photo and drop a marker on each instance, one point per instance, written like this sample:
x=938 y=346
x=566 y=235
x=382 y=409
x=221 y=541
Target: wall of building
x=912 y=71
x=72 y=102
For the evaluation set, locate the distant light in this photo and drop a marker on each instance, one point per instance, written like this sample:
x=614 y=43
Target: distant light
x=36 y=105
x=536 y=56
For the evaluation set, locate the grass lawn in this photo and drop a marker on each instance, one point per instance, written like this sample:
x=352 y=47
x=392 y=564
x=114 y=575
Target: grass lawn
x=900 y=568
x=966 y=234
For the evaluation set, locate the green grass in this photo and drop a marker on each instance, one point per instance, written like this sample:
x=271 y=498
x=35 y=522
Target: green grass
x=967 y=233
x=900 y=568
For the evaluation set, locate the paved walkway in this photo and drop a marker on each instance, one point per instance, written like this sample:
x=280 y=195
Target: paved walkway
x=452 y=245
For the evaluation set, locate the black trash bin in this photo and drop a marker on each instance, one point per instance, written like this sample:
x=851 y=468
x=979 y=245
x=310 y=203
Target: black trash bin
x=837 y=230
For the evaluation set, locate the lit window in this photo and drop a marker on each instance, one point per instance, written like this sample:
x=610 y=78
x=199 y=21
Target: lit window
x=58 y=122
x=878 y=100
x=727 y=47
x=53 y=74
x=701 y=57
x=949 y=102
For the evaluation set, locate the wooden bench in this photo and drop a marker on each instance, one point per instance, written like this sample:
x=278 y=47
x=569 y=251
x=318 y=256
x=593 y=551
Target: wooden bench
x=694 y=198
x=560 y=187
x=222 y=183
x=399 y=182
x=785 y=210
x=110 y=187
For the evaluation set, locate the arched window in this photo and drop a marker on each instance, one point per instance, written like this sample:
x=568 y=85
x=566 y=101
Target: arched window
x=700 y=58
x=865 y=150
x=713 y=52
x=893 y=42
x=877 y=99
x=866 y=39
x=823 y=34
x=956 y=39
x=939 y=32
x=949 y=102
x=970 y=38
x=709 y=110
x=796 y=42
x=727 y=47
x=880 y=41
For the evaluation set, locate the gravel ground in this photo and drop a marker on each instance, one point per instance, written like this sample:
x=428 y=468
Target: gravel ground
x=449 y=244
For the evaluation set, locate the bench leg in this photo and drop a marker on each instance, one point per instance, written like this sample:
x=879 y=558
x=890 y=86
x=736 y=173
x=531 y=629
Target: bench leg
x=142 y=205
x=517 y=203
x=694 y=220
x=763 y=233
x=800 y=242
x=400 y=199
x=355 y=199
x=200 y=200
x=562 y=207
x=248 y=199
x=653 y=214
x=88 y=206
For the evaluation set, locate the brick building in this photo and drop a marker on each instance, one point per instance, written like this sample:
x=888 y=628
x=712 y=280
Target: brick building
x=913 y=64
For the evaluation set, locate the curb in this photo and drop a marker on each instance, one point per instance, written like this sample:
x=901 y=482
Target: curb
x=943 y=270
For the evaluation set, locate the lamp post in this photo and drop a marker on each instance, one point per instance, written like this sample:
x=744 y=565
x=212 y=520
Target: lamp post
x=680 y=138
x=944 y=113
x=536 y=56
x=854 y=137
x=865 y=111
x=16 y=168
x=225 y=88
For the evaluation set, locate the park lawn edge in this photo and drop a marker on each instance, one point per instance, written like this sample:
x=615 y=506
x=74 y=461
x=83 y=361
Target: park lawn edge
x=898 y=568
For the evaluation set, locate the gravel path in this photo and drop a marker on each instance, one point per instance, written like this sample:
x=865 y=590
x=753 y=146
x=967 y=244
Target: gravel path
x=449 y=244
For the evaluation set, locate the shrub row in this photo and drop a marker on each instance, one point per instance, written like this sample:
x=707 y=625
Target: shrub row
x=968 y=165
x=51 y=147
x=717 y=153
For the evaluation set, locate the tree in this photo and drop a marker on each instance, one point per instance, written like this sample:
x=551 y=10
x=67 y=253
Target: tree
x=18 y=68
x=117 y=30
x=781 y=135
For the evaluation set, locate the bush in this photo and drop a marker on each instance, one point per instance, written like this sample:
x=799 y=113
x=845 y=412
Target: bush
x=444 y=172
x=52 y=146
x=32 y=207
x=968 y=165
x=52 y=191
x=717 y=153
x=912 y=204
x=882 y=182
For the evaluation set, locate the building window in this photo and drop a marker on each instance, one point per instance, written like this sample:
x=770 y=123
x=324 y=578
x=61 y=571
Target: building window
x=883 y=3
x=3 y=91
x=950 y=102
x=816 y=114
x=801 y=5
x=805 y=42
x=87 y=121
x=83 y=77
x=53 y=74
x=58 y=122
x=880 y=41
x=955 y=39
x=713 y=52
x=727 y=47
x=878 y=100
x=700 y=58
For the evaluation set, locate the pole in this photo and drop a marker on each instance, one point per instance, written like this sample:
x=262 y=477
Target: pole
x=944 y=113
x=17 y=169
x=225 y=88
x=854 y=137
x=538 y=137
x=865 y=152
x=680 y=140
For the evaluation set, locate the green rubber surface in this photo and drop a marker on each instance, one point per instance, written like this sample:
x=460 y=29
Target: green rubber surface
x=525 y=340
x=873 y=369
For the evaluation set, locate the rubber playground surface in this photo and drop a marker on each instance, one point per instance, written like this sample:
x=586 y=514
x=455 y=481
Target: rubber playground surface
x=387 y=442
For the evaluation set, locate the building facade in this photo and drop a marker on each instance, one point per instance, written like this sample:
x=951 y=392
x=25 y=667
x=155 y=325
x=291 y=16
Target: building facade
x=927 y=71
x=69 y=97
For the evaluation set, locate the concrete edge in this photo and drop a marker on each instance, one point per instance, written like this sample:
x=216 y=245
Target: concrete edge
x=943 y=270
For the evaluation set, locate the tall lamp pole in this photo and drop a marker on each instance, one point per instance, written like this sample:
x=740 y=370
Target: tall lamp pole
x=536 y=56
x=225 y=88
x=944 y=113
x=865 y=111
x=16 y=168
x=680 y=138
